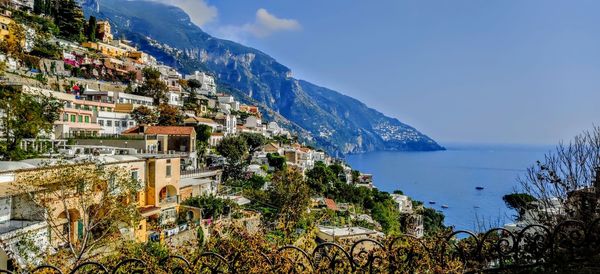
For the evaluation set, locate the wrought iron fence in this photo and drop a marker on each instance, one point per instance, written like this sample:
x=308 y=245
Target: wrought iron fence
x=533 y=248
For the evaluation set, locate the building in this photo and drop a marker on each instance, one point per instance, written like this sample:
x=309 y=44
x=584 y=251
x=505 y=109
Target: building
x=124 y=102
x=335 y=234
x=194 y=121
x=170 y=138
x=207 y=82
x=215 y=139
x=113 y=123
x=227 y=122
x=5 y=22
x=195 y=183
x=103 y=31
x=404 y=203
x=159 y=202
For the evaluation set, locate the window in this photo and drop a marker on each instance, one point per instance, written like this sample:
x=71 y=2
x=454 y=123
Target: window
x=108 y=123
x=168 y=170
x=101 y=122
x=108 y=109
x=80 y=118
x=87 y=119
x=73 y=118
x=66 y=117
x=130 y=123
x=134 y=174
x=101 y=108
x=77 y=106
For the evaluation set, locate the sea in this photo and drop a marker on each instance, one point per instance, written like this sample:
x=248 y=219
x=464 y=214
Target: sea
x=450 y=178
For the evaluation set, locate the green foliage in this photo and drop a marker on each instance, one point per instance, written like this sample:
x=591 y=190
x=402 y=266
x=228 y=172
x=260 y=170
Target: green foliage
x=91 y=29
x=70 y=20
x=519 y=202
x=254 y=140
x=322 y=179
x=212 y=207
x=153 y=86
x=235 y=150
x=433 y=221
x=256 y=181
x=25 y=116
x=203 y=133
x=386 y=213
x=276 y=161
x=290 y=193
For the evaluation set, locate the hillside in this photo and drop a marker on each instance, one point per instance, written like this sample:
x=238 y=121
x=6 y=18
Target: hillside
x=338 y=123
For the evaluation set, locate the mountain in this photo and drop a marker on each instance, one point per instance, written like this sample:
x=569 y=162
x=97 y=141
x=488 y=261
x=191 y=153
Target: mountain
x=331 y=120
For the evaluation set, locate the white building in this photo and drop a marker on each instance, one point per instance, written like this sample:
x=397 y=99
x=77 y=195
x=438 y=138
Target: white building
x=114 y=122
x=208 y=85
x=253 y=122
x=175 y=98
x=118 y=97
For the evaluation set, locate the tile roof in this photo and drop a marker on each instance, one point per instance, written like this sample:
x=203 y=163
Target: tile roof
x=331 y=204
x=161 y=130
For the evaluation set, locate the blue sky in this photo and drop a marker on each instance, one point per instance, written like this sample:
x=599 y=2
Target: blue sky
x=460 y=71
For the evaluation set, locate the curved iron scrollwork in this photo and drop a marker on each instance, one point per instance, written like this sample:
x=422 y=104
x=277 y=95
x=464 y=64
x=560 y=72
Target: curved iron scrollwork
x=497 y=249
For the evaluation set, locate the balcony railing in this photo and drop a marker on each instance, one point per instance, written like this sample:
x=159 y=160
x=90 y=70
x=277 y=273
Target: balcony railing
x=569 y=247
x=169 y=200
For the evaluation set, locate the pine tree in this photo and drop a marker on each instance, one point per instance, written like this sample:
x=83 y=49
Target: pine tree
x=38 y=6
x=91 y=29
x=70 y=20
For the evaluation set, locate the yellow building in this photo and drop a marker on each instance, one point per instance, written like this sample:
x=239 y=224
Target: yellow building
x=5 y=22
x=104 y=31
x=159 y=202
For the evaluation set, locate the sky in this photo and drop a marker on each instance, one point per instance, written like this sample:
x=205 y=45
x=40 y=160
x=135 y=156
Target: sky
x=506 y=71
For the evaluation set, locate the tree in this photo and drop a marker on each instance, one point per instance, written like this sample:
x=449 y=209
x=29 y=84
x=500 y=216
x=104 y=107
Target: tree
x=144 y=116
x=563 y=176
x=203 y=133
x=321 y=178
x=25 y=116
x=254 y=140
x=235 y=150
x=84 y=204
x=212 y=207
x=169 y=115
x=70 y=20
x=290 y=193
x=153 y=86
x=191 y=102
x=13 y=45
x=38 y=6
x=91 y=29
x=519 y=202
x=276 y=161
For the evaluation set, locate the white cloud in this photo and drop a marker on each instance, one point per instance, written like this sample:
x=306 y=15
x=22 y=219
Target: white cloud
x=264 y=25
x=199 y=11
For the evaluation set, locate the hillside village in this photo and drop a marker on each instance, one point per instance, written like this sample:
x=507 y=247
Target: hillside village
x=201 y=160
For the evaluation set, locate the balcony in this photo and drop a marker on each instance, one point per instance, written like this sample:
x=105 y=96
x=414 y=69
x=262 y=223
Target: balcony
x=168 y=201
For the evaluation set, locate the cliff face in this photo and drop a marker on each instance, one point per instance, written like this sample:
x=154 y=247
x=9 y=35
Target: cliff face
x=338 y=123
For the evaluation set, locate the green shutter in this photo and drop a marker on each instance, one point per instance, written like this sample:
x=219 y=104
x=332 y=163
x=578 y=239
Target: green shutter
x=79 y=229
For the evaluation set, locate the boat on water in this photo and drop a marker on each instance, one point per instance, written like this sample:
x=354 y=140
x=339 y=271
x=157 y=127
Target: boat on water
x=479 y=188
x=444 y=206
x=432 y=202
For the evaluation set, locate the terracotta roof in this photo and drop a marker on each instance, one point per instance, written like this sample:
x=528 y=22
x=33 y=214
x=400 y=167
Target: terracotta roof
x=217 y=134
x=331 y=204
x=161 y=130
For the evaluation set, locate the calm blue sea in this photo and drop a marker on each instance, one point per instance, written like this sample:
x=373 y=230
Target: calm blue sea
x=450 y=177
